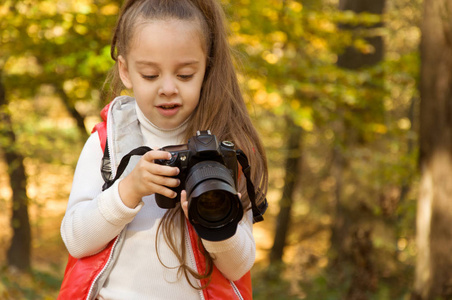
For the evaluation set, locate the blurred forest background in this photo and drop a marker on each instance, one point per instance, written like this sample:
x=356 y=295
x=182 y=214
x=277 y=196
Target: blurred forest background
x=353 y=99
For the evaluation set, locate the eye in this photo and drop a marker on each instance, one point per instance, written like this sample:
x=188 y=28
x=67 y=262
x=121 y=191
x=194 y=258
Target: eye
x=150 y=77
x=186 y=77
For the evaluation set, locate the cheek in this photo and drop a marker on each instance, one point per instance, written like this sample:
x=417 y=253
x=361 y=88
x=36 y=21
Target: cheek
x=144 y=87
x=194 y=96
x=198 y=88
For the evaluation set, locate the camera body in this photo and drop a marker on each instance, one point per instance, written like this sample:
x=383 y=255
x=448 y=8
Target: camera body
x=202 y=147
x=208 y=173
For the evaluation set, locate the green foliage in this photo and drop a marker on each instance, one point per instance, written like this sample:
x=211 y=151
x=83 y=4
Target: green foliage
x=38 y=285
x=47 y=134
x=271 y=283
x=62 y=45
x=368 y=115
x=57 y=51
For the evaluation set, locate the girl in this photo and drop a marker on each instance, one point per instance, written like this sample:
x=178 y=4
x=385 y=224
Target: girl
x=173 y=55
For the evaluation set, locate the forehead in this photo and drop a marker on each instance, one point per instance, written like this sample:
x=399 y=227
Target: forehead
x=170 y=31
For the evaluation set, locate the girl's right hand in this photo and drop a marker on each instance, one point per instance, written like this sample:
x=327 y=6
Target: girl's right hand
x=148 y=178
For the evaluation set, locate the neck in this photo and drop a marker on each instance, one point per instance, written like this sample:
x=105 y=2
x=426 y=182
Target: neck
x=156 y=137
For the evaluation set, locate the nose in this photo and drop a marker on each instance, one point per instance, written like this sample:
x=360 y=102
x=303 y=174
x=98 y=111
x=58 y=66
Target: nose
x=168 y=87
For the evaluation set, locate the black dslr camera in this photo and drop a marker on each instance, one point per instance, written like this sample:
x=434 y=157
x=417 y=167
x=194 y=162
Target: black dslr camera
x=208 y=173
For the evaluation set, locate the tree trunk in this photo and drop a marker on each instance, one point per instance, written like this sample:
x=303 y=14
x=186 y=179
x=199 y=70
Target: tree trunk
x=19 y=251
x=341 y=224
x=351 y=244
x=433 y=277
x=80 y=120
x=352 y=58
x=292 y=176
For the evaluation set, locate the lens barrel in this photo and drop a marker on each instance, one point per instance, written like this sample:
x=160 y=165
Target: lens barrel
x=214 y=207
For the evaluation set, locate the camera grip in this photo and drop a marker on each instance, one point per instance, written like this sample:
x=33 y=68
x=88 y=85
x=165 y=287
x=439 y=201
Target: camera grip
x=165 y=202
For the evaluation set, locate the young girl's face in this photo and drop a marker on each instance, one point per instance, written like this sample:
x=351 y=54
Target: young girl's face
x=165 y=68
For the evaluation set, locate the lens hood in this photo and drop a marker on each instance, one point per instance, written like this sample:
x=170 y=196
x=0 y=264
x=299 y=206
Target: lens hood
x=212 y=181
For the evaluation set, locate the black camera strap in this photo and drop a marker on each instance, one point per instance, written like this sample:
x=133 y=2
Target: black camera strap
x=258 y=212
x=106 y=164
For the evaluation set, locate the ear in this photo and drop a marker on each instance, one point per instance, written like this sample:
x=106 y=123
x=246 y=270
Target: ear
x=124 y=72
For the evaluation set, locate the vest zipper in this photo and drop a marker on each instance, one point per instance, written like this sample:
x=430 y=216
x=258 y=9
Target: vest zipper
x=192 y=259
x=113 y=171
x=102 y=271
x=236 y=290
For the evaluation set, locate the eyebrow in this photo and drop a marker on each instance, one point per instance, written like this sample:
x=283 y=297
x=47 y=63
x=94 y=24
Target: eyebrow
x=154 y=64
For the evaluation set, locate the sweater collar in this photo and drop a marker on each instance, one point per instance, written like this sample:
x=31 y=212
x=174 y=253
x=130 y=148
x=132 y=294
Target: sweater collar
x=150 y=128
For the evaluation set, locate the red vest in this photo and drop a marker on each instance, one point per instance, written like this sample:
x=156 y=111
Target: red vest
x=80 y=274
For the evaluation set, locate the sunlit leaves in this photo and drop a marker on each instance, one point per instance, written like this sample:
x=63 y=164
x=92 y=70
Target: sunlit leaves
x=23 y=65
x=58 y=50
x=351 y=18
x=283 y=51
x=110 y=9
x=294 y=52
x=64 y=39
x=288 y=52
x=294 y=6
x=291 y=70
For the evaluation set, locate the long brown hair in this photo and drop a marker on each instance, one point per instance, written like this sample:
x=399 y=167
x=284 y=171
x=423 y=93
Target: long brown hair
x=221 y=107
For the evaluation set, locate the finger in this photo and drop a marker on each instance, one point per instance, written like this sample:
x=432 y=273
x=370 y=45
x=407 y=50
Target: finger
x=164 y=191
x=161 y=170
x=184 y=202
x=240 y=195
x=157 y=154
x=163 y=180
x=158 y=168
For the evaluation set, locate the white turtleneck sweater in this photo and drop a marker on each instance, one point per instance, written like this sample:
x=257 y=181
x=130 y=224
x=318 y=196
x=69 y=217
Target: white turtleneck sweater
x=93 y=218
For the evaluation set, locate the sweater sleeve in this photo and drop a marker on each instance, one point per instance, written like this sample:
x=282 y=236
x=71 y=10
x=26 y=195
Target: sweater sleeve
x=93 y=218
x=235 y=256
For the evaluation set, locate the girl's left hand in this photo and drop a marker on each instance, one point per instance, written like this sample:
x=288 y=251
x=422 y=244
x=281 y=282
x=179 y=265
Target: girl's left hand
x=184 y=202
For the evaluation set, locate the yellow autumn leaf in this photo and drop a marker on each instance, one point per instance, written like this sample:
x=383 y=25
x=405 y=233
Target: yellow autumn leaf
x=260 y=97
x=307 y=125
x=80 y=18
x=254 y=84
x=109 y=9
x=269 y=57
x=379 y=128
x=295 y=104
x=278 y=37
x=274 y=99
x=295 y=6
x=80 y=29
x=404 y=123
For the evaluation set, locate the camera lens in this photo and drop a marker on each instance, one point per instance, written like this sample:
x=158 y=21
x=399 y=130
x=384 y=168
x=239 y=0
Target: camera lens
x=214 y=206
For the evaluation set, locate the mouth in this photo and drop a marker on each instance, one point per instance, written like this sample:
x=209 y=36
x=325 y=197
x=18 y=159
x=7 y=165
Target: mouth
x=169 y=109
x=169 y=106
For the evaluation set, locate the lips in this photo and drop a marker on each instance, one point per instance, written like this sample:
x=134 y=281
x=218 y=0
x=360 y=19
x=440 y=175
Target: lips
x=168 y=109
x=169 y=106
